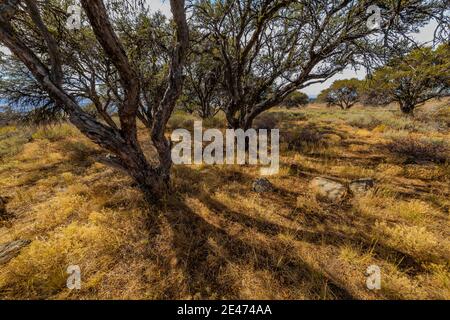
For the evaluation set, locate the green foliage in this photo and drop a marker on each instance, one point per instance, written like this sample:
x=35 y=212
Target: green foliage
x=343 y=93
x=296 y=99
x=410 y=81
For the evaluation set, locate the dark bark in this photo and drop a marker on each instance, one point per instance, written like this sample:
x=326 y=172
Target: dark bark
x=270 y=50
x=122 y=142
x=407 y=108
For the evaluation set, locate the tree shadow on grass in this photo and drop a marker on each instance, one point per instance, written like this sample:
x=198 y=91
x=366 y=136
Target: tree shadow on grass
x=204 y=250
x=328 y=236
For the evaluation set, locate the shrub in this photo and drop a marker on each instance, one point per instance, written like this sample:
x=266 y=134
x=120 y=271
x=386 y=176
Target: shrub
x=298 y=116
x=216 y=122
x=296 y=99
x=55 y=133
x=414 y=149
x=8 y=116
x=268 y=120
x=398 y=122
x=304 y=138
x=388 y=121
x=12 y=141
x=181 y=120
x=368 y=122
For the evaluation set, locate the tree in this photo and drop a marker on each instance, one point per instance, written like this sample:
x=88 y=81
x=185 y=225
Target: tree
x=342 y=93
x=296 y=99
x=202 y=92
x=271 y=48
x=7 y=116
x=34 y=32
x=370 y=96
x=412 y=80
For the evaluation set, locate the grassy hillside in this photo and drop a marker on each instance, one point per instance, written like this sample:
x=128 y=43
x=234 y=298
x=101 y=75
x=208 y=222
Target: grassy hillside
x=216 y=238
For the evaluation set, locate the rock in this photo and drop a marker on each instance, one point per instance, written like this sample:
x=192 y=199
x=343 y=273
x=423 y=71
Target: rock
x=262 y=185
x=10 y=250
x=328 y=189
x=361 y=186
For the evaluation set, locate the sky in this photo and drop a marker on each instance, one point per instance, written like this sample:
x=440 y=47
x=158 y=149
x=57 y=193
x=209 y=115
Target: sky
x=162 y=5
x=425 y=35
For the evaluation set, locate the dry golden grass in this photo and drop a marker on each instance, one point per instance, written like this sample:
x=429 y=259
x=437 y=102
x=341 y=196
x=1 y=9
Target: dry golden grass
x=216 y=239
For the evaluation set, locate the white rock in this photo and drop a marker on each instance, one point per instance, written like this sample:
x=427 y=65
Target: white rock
x=328 y=189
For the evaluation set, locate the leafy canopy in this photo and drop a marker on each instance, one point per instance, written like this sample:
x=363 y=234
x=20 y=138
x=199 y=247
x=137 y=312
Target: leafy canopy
x=412 y=80
x=343 y=93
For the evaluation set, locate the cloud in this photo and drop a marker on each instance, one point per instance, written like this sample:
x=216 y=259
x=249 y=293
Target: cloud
x=161 y=5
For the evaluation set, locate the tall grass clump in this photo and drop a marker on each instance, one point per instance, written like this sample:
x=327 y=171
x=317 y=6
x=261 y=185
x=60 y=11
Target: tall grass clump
x=12 y=140
x=55 y=132
x=305 y=138
x=413 y=149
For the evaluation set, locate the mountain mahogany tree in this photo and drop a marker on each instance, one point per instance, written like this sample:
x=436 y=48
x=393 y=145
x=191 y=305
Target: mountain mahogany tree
x=271 y=48
x=412 y=80
x=33 y=32
x=202 y=91
x=296 y=99
x=342 y=93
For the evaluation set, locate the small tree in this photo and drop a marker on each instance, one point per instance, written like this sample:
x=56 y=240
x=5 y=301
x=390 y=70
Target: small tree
x=410 y=81
x=202 y=92
x=296 y=99
x=370 y=96
x=342 y=93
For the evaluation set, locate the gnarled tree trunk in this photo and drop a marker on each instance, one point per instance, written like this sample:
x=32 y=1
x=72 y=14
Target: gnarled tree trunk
x=407 y=108
x=121 y=141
